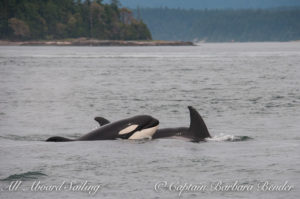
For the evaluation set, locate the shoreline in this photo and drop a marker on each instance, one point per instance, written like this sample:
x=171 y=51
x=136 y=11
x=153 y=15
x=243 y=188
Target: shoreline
x=94 y=42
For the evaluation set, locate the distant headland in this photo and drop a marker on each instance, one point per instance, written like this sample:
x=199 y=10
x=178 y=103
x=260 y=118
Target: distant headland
x=94 y=42
x=55 y=22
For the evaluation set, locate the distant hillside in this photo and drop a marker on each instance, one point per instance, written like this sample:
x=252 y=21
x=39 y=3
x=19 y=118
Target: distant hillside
x=59 y=19
x=222 y=25
x=209 y=4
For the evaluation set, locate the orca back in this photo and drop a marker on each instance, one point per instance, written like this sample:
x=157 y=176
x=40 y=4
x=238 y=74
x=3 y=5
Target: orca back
x=58 y=139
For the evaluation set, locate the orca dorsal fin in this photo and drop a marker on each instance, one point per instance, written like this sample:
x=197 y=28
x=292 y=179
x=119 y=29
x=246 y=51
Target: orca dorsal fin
x=198 y=129
x=102 y=121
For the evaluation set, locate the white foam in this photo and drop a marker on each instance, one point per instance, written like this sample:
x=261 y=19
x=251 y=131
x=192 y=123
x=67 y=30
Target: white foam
x=222 y=137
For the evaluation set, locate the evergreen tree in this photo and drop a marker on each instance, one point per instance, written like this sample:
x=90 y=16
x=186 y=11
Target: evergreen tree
x=58 y=19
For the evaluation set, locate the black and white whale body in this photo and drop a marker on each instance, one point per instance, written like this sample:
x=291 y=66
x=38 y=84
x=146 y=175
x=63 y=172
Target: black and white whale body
x=137 y=127
x=197 y=131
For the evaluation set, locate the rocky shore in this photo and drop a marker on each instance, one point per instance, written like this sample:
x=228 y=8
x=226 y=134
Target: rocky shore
x=94 y=42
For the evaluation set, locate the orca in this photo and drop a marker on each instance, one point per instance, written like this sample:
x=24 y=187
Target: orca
x=137 y=127
x=196 y=132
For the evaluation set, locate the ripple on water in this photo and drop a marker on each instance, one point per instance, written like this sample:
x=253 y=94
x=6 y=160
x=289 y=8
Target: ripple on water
x=23 y=138
x=30 y=175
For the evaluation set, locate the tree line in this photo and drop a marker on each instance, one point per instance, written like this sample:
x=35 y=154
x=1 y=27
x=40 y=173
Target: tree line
x=60 y=19
x=280 y=24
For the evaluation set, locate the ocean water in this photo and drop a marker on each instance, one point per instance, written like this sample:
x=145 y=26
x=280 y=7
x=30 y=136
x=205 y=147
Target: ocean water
x=247 y=93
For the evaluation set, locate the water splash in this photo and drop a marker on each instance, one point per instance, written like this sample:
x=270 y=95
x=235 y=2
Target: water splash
x=230 y=138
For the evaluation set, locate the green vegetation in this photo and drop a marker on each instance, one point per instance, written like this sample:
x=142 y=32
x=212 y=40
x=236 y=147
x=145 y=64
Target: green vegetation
x=280 y=24
x=60 y=19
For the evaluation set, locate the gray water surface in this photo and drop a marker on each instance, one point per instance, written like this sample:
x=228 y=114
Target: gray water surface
x=242 y=89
